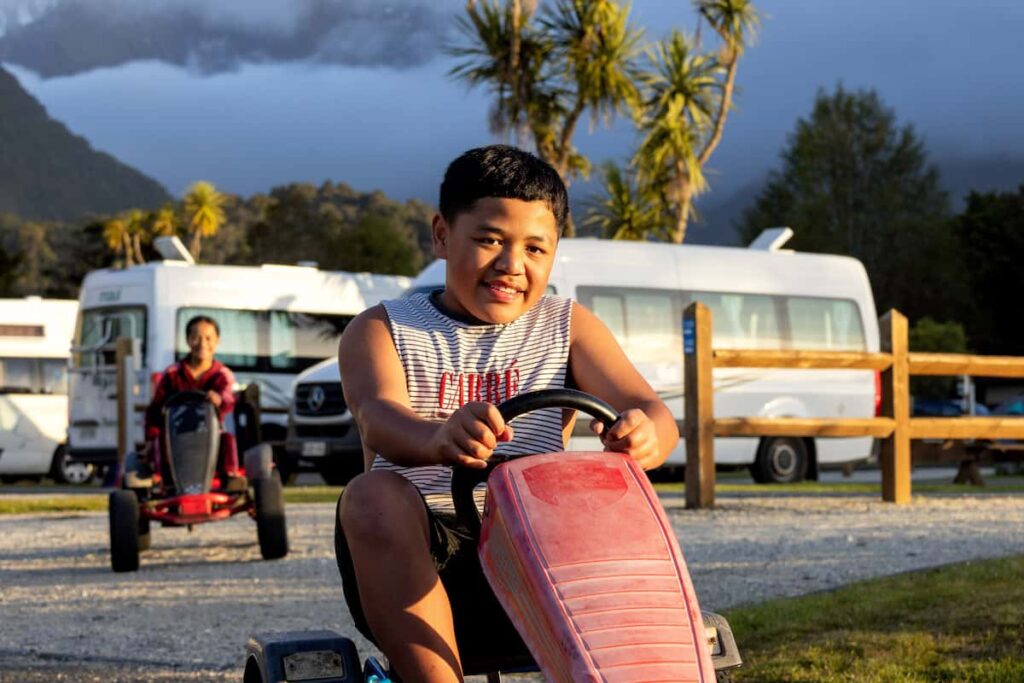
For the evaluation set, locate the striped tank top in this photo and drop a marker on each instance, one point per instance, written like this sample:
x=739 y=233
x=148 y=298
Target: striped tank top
x=449 y=363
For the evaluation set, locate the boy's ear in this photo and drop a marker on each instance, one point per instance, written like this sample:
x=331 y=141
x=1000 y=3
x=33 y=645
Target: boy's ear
x=440 y=231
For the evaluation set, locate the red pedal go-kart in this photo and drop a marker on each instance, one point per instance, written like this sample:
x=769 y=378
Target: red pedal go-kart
x=184 y=490
x=583 y=559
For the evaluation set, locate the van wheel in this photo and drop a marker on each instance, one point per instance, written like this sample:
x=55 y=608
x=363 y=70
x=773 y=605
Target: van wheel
x=64 y=472
x=780 y=461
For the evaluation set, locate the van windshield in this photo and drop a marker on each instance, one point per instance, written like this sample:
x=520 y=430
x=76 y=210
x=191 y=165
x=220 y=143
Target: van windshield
x=97 y=331
x=33 y=376
x=284 y=342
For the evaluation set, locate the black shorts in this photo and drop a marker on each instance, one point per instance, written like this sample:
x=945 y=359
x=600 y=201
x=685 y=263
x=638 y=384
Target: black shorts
x=484 y=634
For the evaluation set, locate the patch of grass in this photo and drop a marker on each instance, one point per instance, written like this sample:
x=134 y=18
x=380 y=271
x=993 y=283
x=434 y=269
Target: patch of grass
x=962 y=622
x=312 y=494
x=14 y=505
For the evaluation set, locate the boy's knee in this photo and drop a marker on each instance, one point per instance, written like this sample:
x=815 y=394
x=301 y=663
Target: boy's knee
x=379 y=505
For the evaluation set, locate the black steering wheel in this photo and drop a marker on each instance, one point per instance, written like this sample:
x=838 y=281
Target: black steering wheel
x=189 y=396
x=465 y=479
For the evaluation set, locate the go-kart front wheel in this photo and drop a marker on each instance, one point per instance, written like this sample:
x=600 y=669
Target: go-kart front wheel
x=270 y=523
x=123 y=510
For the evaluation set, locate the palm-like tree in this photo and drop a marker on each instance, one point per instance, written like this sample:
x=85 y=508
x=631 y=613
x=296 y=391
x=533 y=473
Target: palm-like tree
x=677 y=116
x=117 y=239
x=689 y=98
x=627 y=211
x=545 y=74
x=136 y=227
x=204 y=208
x=164 y=221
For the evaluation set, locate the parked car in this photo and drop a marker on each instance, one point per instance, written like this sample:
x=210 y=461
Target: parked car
x=321 y=433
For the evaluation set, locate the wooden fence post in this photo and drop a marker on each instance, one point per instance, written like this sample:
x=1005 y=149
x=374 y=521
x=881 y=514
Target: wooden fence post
x=699 y=424
x=895 y=453
x=125 y=397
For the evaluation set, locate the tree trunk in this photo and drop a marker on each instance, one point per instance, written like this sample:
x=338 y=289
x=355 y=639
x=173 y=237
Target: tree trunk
x=126 y=249
x=684 y=203
x=137 y=246
x=195 y=244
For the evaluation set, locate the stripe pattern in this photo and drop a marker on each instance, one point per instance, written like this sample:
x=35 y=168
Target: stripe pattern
x=449 y=363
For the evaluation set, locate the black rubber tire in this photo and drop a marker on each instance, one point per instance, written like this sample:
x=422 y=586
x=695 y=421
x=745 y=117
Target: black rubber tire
x=780 y=460
x=123 y=511
x=271 y=528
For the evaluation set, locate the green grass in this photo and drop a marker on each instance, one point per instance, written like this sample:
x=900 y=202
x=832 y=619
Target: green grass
x=962 y=622
x=12 y=505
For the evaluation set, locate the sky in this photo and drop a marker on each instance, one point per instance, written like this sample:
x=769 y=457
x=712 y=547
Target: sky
x=357 y=91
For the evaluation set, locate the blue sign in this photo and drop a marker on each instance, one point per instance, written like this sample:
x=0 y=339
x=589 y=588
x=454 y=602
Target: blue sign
x=689 y=336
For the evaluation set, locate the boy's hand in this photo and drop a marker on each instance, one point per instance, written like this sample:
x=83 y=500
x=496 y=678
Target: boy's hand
x=633 y=434
x=470 y=435
x=215 y=398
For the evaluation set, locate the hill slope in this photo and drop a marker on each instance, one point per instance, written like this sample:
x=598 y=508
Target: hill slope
x=48 y=173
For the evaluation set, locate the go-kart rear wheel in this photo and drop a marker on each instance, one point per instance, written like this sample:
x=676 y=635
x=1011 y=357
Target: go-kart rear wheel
x=270 y=522
x=123 y=511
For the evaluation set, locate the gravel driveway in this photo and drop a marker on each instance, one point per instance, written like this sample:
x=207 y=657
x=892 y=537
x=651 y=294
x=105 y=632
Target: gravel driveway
x=64 y=616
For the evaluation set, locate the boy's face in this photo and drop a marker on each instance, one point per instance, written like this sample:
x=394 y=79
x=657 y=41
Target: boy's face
x=202 y=341
x=499 y=257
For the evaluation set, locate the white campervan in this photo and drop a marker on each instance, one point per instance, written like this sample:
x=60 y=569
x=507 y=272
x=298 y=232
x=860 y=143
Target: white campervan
x=275 y=321
x=35 y=336
x=761 y=298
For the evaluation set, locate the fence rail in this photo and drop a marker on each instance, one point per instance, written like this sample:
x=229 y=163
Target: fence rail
x=893 y=426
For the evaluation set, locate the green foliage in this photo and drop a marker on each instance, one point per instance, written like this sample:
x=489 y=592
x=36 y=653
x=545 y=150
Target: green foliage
x=927 y=335
x=627 y=211
x=991 y=240
x=854 y=182
x=958 y=623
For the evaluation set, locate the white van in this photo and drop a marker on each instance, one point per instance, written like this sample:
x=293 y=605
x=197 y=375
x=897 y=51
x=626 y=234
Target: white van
x=275 y=321
x=761 y=298
x=35 y=336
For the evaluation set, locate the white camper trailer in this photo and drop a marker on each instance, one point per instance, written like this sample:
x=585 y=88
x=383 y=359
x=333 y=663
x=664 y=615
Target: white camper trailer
x=275 y=321
x=761 y=298
x=35 y=336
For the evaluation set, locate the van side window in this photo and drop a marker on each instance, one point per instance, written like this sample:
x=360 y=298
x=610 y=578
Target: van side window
x=100 y=327
x=744 y=321
x=831 y=324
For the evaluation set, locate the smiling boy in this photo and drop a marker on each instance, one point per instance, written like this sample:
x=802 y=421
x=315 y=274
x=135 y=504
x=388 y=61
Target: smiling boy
x=422 y=376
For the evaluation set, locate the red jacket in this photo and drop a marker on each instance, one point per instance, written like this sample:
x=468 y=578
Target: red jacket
x=178 y=378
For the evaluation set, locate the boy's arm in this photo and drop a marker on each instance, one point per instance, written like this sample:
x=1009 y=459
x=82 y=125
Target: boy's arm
x=647 y=429
x=374 y=384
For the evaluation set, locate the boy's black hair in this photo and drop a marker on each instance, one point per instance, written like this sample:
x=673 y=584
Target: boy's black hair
x=201 y=319
x=506 y=173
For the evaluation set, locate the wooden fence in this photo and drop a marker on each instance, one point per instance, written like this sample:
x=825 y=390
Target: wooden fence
x=893 y=426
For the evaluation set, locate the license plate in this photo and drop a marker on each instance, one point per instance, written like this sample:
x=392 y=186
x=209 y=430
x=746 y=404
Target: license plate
x=87 y=433
x=314 y=449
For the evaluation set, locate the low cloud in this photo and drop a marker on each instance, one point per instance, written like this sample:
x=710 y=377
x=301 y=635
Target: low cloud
x=213 y=37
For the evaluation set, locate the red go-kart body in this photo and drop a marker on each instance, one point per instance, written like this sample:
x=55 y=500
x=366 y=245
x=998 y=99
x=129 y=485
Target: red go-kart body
x=582 y=557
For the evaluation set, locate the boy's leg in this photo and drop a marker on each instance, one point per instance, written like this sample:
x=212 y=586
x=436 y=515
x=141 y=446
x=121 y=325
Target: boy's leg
x=405 y=605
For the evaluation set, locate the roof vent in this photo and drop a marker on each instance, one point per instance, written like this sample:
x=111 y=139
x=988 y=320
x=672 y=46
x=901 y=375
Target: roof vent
x=171 y=249
x=771 y=239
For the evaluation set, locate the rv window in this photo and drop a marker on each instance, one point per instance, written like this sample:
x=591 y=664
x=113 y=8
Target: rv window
x=33 y=376
x=299 y=340
x=98 y=329
x=646 y=322
x=825 y=324
x=609 y=308
x=743 y=321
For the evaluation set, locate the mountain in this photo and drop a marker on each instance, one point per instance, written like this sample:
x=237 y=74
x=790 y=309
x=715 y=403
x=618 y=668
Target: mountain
x=49 y=173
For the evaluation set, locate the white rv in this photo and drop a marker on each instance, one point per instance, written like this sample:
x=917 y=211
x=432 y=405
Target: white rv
x=761 y=298
x=35 y=335
x=275 y=321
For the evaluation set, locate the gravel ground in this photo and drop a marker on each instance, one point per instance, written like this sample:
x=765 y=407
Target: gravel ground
x=64 y=616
